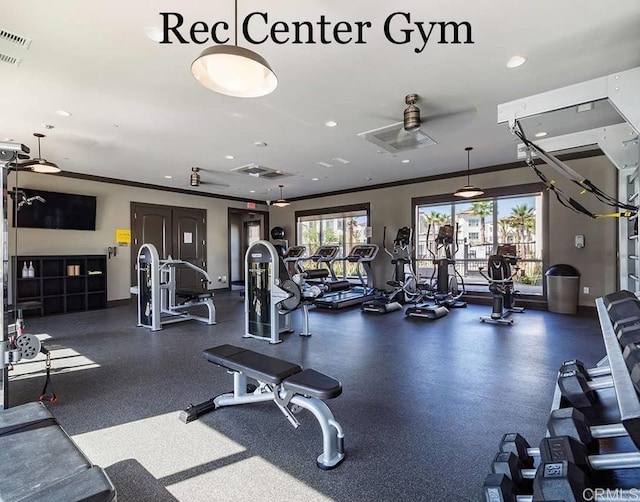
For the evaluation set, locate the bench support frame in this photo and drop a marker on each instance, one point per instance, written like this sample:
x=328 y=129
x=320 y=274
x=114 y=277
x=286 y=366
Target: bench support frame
x=332 y=433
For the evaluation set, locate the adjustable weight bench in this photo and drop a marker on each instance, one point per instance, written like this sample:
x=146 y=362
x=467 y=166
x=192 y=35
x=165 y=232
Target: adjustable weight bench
x=285 y=383
x=41 y=463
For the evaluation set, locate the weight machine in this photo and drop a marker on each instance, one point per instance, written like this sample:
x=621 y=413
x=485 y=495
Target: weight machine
x=157 y=304
x=15 y=343
x=500 y=277
x=272 y=293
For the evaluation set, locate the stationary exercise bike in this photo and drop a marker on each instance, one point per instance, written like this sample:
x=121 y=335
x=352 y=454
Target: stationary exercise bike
x=500 y=277
x=404 y=278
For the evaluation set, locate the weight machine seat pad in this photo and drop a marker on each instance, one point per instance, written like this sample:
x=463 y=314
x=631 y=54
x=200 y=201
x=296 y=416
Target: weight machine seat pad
x=43 y=463
x=90 y=485
x=25 y=416
x=312 y=383
x=263 y=368
x=195 y=295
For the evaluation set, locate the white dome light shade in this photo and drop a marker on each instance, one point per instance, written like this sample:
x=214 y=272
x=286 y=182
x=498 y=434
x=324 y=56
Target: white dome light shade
x=234 y=71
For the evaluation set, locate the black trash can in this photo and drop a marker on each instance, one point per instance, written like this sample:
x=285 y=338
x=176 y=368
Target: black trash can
x=563 y=288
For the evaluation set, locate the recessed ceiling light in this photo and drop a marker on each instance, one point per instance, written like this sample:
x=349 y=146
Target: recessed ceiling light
x=153 y=33
x=168 y=177
x=540 y=134
x=331 y=123
x=252 y=191
x=314 y=179
x=8 y=139
x=516 y=61
x=63 y=113
x=260 y=144
x=368 y=179
x=405 y=161
x=48 y=126
x=229 y=157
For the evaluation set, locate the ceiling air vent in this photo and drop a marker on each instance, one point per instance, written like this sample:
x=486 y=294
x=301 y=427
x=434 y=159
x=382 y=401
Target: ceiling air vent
x=10 y=59
x=395 y=139
x=261 y=172
x=7 y=36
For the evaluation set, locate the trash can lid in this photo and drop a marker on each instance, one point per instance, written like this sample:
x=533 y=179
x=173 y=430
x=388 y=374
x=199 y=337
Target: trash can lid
x=562 y=270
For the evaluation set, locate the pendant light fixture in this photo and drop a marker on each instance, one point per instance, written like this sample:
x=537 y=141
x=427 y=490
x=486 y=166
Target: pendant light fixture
x=234 y=71
x=39 y=165
x=469 y=190
x=281 y=202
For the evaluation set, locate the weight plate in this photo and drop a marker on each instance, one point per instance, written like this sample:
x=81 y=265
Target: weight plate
x=295 y=296
x=29 y=346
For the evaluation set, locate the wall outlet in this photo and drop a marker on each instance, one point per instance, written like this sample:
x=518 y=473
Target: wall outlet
x=585 y=290
x=224 y=278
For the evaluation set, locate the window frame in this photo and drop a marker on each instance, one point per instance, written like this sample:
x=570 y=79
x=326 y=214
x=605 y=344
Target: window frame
x=493 y=194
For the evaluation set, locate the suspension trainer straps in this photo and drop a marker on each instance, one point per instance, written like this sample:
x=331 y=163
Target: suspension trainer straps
x=44 y=397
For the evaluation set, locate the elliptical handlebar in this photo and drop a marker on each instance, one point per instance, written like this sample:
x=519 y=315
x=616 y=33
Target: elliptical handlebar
x=498 y=281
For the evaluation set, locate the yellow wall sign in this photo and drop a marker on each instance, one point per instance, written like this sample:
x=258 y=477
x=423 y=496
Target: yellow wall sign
x=123 y=236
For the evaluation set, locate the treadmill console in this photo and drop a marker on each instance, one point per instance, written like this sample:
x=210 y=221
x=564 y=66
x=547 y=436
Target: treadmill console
x=325 y=253
x=363 y=252
x=294 y=253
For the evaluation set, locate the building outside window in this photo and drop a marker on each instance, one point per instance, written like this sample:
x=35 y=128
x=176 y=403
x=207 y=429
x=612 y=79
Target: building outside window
x=344 y=228
x=481 y=226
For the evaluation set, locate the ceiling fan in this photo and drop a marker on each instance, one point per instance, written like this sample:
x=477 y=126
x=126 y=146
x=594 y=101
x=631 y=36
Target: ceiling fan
x=195 y=179
x=415 y=130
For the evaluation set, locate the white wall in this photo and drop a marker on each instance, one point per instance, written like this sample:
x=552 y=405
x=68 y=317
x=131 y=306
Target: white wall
x=113 y=208
x=597 y=261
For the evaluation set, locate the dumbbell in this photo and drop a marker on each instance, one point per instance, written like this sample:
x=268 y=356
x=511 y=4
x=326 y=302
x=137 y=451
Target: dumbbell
x=631 y=354
x=572 y=422
x=499 y=488
x=562 y=474
x=578 y=385
x=621 y=305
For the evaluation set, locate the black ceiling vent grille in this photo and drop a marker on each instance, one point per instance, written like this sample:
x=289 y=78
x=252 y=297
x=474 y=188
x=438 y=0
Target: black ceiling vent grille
x=7 y=36
x=10 y=59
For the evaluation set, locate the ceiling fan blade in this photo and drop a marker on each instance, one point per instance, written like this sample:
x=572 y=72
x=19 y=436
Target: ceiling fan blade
x=214 y=183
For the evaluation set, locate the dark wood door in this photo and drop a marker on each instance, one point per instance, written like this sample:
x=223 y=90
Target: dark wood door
x=174 y=231
x=189 y=244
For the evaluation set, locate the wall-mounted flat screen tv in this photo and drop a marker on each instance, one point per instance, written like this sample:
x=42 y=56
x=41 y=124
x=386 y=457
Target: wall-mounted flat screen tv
x=58 y=211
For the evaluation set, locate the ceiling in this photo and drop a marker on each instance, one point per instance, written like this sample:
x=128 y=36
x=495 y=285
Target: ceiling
x=138 y=114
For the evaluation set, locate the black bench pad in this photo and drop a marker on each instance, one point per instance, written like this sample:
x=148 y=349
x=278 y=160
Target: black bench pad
x=26 y=416
x=41 y=463
x=259 y=366
x=195 y=295
x=313 y=384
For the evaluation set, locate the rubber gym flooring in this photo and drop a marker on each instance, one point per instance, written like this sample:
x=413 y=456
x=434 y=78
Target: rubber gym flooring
x=424 y=405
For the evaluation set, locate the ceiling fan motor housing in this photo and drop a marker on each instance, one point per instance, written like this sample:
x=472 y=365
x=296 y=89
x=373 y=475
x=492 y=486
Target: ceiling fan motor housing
x=194 y=179
x=411 y=113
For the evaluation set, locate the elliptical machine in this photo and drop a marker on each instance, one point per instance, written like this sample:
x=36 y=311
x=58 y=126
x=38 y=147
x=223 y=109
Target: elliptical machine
x=500 y=277
x=404 y=277
x=447 y=285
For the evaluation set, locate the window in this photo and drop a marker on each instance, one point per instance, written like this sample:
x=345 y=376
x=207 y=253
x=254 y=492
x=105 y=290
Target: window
x=342 y=226
x=480 y=227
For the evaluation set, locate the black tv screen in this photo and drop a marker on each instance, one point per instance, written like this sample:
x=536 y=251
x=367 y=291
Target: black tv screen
x=59 y=211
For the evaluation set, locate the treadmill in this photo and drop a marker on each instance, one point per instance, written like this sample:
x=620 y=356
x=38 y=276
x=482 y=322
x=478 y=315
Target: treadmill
x=324 y=255
x=362 y=255
x=292 y=257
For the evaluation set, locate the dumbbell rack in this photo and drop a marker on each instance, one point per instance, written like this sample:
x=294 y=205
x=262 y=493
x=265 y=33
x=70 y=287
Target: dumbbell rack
x=617 y=401
x=625 y=393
